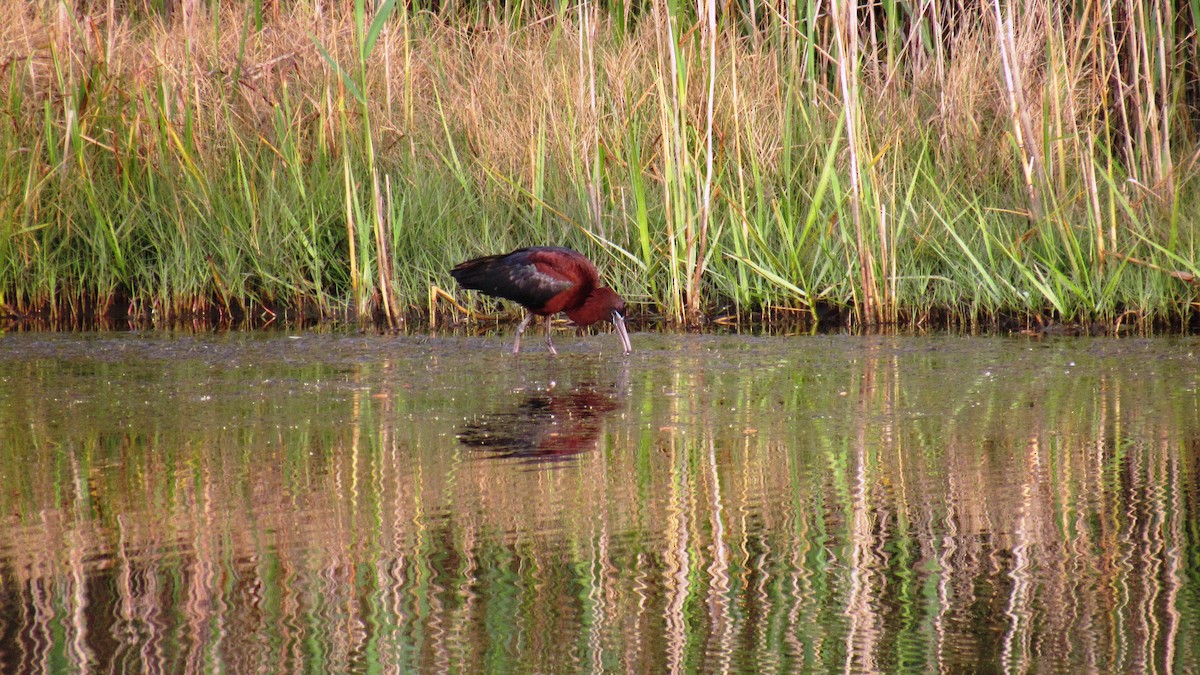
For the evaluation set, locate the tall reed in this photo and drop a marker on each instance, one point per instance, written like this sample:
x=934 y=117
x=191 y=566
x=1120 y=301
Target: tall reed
x=1027 y=161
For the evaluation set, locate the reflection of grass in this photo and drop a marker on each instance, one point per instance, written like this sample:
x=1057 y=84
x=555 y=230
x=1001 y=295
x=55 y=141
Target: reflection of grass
x=864 y=516
x=340 y=163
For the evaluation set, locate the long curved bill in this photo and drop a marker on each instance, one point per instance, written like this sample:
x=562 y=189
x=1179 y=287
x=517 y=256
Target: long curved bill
x=619 y=323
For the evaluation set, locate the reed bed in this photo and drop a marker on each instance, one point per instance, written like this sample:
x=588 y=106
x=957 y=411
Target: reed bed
x=954 y=162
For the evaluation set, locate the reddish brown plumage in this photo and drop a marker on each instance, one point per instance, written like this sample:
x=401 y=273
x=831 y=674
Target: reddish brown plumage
x=546 y=280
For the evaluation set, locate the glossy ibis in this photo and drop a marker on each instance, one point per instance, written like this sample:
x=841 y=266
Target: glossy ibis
x=546 y=280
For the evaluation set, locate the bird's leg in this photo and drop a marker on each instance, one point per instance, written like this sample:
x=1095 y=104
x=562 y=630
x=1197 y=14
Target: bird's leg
x=549 y=342
x=520 y=330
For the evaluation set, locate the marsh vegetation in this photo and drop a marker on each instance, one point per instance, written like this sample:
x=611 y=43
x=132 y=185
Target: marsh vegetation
x=947 y=162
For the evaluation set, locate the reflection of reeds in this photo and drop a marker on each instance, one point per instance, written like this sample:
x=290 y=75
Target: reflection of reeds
x=865 y=527
x=678 y=555
x=1026 y=516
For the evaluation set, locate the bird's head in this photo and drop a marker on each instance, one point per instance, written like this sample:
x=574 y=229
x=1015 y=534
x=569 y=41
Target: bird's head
x=611 y=301
x=603 y=304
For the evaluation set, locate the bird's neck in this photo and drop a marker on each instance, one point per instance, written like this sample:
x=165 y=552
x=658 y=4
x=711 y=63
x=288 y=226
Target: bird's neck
x=591 y=311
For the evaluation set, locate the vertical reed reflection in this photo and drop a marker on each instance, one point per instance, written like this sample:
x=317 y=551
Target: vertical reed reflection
x=679 y=561
x=856 y=505
x=864 y=565
x=721 y=651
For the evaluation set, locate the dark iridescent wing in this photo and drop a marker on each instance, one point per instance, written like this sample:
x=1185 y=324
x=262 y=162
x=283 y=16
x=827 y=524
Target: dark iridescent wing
x=526 y=276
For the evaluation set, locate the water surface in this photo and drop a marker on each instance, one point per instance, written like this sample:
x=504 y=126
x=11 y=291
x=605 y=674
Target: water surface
x=251 y=502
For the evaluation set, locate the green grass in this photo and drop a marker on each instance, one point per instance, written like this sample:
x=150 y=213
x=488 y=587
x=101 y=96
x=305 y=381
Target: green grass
x=728 y=167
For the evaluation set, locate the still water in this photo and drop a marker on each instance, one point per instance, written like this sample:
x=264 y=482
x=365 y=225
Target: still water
x=259 y=503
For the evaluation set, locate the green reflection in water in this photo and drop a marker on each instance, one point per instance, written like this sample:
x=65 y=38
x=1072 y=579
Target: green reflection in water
x=326 y=503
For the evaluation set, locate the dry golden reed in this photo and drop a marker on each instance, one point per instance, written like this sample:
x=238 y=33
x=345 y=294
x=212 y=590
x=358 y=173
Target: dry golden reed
x=656 y=133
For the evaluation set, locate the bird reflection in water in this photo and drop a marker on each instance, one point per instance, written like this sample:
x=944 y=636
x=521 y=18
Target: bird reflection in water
x=548 y=426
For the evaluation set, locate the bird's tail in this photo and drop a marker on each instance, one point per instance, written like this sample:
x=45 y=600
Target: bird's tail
x=478 y=274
